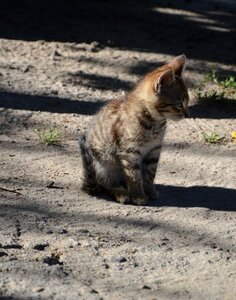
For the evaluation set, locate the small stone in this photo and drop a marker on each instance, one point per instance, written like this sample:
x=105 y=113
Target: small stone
x=52 y=260
x=106 y=266
x=12 y=246
x=41 y=246
x=54 y=92
x=50 y=184
x=118 y=259
x=146 y=287
x=71 y=243
x=62 y=231
x=165 y=239
x=83 y=230
x=3 y=254
x=38 y=290
x=195 y=251
x=25 y=69
x=13 y=258
x=55 y=55
x=95 y=46
x=85 y=243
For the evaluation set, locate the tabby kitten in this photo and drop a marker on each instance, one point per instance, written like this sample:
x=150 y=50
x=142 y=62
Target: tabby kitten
x=121 y=150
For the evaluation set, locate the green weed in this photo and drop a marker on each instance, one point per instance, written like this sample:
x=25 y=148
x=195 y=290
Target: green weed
x=212 y=137
x=212 y=77
x=224 y=87
x=228 y=82
x=211 y=94
x=50 y=135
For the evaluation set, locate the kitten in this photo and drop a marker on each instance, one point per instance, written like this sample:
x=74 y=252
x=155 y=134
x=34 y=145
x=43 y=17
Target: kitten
x=121 y=150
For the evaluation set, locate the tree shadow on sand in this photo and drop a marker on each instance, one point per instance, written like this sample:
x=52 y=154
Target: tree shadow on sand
x=48 y=104
x=170 y=27
x=98 y=82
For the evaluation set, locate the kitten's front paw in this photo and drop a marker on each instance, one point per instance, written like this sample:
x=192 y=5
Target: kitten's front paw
x=152 y=194
x=139 y=200
x=123 y=199
x=121 y=195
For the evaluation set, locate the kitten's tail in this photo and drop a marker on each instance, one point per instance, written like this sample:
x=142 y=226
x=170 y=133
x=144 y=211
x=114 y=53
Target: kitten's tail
x=89 y=184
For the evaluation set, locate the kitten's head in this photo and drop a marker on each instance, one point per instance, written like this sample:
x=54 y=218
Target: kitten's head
x=169 y=90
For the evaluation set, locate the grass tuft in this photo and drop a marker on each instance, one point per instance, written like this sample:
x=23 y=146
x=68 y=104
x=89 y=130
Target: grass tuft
x=212 y=76
x=212 y=137
x=49 y=135
x=221 y=88
x=228 y=82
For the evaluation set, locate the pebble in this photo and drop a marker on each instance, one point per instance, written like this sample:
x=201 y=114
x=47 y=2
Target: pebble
x=12 y=258
x=52 y=260
x=38 y=290
x=50 y=184
x=12 y=246
x=106 y=266
x=85 y=243
x=55 y=55
x=25 y=69
x=3 y=254
x=41 y=246
x=71 y=243
x=62 y=231
x=146 y=287
x=119 y=259
x=83 y=230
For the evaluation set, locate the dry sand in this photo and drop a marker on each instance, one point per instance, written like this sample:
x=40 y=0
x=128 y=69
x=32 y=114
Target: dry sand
x=55 y=241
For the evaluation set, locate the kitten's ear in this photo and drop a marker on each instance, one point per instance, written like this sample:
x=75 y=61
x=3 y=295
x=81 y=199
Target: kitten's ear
x=178 y=64
x=164 y=80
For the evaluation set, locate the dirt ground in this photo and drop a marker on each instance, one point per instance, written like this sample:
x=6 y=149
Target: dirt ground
x=60 y=61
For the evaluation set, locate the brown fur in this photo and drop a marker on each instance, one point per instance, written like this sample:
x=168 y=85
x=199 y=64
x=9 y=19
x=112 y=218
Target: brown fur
x=121 y=151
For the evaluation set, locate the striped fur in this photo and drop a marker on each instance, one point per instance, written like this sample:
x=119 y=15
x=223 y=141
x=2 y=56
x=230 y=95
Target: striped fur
x=121 y=150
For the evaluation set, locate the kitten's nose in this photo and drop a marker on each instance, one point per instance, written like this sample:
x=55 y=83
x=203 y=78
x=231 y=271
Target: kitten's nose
x=186 y=112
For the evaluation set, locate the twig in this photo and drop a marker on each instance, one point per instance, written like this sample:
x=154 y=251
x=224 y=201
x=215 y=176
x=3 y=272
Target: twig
x=11 y=191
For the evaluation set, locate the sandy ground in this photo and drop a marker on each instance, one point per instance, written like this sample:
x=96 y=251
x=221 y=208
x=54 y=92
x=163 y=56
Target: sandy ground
x=55 y=241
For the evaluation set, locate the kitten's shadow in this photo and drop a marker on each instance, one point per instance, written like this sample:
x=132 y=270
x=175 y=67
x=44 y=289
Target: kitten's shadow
x=215 y=198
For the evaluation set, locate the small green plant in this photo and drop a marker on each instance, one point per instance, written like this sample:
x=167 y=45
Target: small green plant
x=228 y=82
x=212 y=76
x=50 y=135
x=212 y=137
x=224 y=87
x=211 y=94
